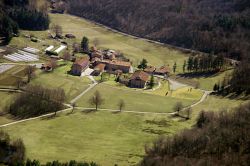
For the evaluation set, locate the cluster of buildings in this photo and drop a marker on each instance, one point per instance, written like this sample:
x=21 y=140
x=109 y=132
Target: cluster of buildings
x=101 y=61
x=111 y=62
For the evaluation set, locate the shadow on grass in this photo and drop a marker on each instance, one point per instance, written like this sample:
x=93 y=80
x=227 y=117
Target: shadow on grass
x=199 y=74
x=232 y=96
x=50 y=117
x=116 y=112
x=88 y=111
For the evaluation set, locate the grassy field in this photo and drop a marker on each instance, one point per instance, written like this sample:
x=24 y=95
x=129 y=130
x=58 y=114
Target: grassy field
x=134 y=49
x=134 y=100
x=72 y=85
x=206 y=83
x=103 y=137
x=5 y=100
x=10 y=77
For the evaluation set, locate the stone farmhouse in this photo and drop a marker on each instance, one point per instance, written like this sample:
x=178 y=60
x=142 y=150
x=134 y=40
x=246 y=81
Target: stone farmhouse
x=139 y=79
x=80 y=65
x=109 y=62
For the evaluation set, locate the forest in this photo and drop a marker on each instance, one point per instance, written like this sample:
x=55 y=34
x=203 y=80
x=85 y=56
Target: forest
x=212 y=26
x=24 y=14
x=216 y=139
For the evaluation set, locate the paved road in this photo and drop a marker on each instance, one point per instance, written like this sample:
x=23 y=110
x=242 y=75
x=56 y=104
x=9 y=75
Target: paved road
x=94 y=83
x=176 y=85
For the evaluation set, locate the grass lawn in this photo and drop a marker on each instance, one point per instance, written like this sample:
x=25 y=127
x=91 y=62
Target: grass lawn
x=10 y=77
x=104 y=137
x=72 y=85
x=5 y=101
x=206 y=83
x=135 y=100
x=163 y=90
x=186 y=93
x=134 y=49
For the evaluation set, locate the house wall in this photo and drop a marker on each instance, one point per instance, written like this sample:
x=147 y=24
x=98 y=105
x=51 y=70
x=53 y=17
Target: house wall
x=137 y=83
x=77 y=69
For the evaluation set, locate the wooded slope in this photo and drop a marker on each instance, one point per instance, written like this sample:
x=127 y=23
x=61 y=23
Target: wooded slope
x=218 y=26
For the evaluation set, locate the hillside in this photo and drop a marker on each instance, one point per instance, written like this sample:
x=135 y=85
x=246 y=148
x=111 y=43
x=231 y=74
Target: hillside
x=212 y=26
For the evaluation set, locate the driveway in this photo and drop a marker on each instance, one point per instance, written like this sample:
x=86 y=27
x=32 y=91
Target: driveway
x=87 y=72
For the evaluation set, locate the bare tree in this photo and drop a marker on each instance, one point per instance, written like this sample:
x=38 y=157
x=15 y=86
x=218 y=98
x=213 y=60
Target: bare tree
x=53 y=63
x=19 y=82
x=178 y=107
x=66 y=56
x=76 y=47
x=96 y=42
x=57 y=30
x=29 y=71
x=96 y=100
x=73 y=107
x=121 y=105
x=188 y=112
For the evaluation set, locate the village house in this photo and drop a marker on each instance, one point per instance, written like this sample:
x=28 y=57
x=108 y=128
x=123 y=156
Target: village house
x=164 y=71
x=139 y=79
x=98 y=69
x=112 y=66
x=80 y=65
x=150 y=70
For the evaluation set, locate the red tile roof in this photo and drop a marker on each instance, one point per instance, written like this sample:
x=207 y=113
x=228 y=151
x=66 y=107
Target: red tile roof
x=100 y=67
x=150 y=69
x=82 y=61
x=140 y=75
x=162 y=70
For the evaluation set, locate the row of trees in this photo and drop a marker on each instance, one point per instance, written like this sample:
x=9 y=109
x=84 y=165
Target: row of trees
x=204 y=63
x=97 y=100
x=216 y=139
x=37 y=100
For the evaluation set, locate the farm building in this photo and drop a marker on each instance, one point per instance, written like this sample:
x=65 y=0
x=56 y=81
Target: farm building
x=80 y=65
x=150 y=69
x=99 y=69
x=164 y=71
x=113 y=65
x=139 y=79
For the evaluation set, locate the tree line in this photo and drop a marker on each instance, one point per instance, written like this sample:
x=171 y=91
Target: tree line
x=209 y=26
x=15 y=14
x=238 y=82
x=216 y=139
x=37 y=100
x=204 y=63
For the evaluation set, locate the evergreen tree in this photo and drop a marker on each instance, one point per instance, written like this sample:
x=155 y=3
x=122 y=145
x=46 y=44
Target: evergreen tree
x=85 y=44
x=143 y=64
x=152 y=82
x=196 y=64
x=174 y=67
x=184 y=66
x=190 y=64
x=215 y=87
